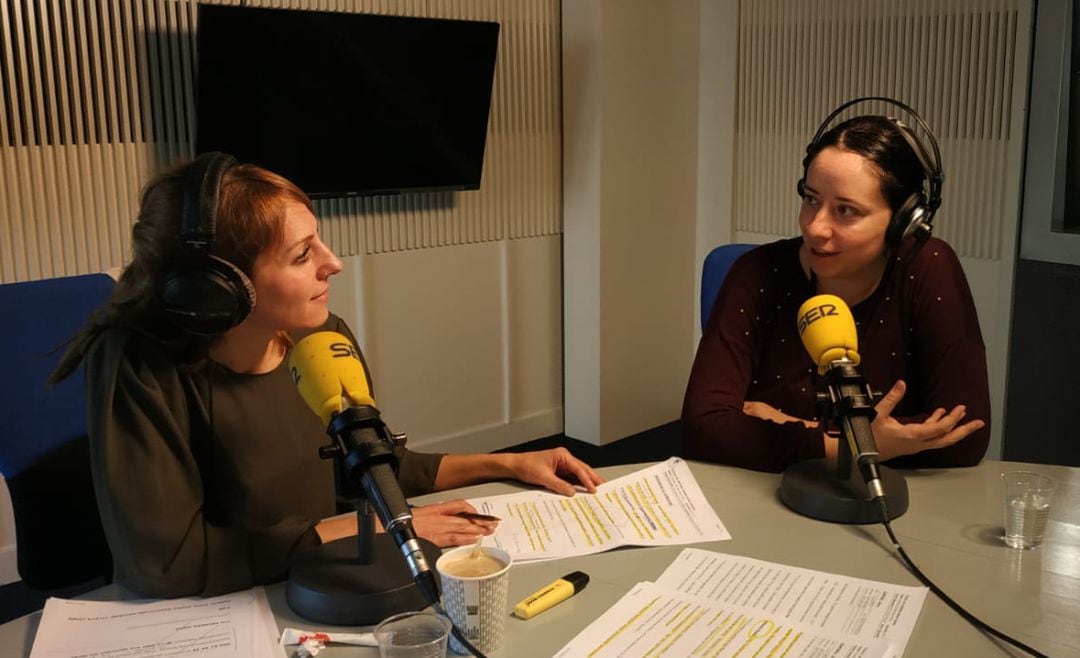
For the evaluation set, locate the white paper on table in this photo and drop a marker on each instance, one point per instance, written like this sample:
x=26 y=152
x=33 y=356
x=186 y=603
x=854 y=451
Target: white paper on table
x=233 y=625
x=854 y=607
x=267 y=633
x=657 y=506
x=652 y=620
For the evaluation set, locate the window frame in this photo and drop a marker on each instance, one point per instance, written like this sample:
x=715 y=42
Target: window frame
x=1044 y=233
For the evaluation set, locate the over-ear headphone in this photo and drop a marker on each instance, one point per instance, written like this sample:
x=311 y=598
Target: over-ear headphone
x=205 y=294
x=915 y=215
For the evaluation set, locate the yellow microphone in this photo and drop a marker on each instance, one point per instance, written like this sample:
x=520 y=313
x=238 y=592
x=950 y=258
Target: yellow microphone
x=827 y=329
x=329 y=375
x=327 y=371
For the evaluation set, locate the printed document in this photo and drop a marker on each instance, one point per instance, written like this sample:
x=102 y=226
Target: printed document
x=236 y=625
x=652 y=621
x=828 y=603
x=660 y=505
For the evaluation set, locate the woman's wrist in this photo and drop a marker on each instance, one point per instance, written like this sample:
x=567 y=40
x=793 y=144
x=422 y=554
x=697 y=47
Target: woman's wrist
x=831 y=446
x=461 y=470
x=503 y=466
x=492 y=466
x=336 y=527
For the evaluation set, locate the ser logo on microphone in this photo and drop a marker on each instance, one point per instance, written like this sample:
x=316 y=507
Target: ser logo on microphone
x=344 y=351
x=338 y=350
x=816 y=314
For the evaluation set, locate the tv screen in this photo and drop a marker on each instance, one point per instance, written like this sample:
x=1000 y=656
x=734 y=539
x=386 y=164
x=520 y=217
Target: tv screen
x=343 y=103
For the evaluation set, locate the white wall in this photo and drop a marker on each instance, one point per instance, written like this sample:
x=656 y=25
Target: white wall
x=630 y=100
x=717 y=81
x=464 y=342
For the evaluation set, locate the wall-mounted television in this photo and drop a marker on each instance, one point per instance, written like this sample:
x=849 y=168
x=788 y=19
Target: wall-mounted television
x=343 y=103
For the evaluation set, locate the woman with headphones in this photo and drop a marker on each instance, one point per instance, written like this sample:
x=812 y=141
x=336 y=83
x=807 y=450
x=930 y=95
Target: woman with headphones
x=869 y=191
x=205 y=457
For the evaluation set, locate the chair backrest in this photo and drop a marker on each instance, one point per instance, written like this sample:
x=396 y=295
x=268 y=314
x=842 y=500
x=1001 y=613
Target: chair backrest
x=716 y=267
x=44 y=450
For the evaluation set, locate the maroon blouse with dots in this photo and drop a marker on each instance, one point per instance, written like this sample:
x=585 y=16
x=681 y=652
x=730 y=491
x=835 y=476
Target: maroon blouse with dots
x=920 y=325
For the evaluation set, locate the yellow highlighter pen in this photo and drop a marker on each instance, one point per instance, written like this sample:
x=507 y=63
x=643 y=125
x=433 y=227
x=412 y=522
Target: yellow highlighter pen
x=556 y=592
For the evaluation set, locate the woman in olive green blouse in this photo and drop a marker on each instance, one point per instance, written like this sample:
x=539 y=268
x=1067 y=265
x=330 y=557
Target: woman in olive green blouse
x=205 y=457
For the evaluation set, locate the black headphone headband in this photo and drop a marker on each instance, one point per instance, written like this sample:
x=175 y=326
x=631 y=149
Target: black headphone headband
x=201 y=190
x=931 y=164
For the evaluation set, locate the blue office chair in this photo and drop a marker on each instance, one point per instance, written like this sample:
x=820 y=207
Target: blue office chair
x=44 y=450
x=716 y=267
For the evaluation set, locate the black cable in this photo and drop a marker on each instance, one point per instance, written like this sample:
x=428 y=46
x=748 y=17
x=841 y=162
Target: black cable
x=430 y=591
x=457 y=632
x=972 y=619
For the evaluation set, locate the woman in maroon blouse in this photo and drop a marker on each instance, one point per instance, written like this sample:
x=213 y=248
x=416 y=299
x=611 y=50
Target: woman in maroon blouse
x=750 y=398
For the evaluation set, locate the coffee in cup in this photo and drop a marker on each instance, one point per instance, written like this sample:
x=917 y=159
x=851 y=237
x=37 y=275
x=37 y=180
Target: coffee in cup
x=471 y=566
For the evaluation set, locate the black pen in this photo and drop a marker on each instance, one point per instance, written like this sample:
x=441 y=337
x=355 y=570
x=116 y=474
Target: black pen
x=475 y=516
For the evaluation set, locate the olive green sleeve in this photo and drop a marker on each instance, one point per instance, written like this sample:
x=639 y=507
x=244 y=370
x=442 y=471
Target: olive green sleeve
x=150 y=487
x=417 y=472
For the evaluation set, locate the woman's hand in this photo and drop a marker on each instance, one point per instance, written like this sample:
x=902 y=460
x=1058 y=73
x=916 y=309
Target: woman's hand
x=550 y=468
x=440 y=524
x=941 y=429
x=336 y=527
x=766 y=411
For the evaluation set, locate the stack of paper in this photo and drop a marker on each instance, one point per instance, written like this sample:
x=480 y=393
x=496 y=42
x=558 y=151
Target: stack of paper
x=234 y=625
x=710 y=604
x=661 y=505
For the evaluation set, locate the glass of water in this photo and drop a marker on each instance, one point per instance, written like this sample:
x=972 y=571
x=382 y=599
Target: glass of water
x=1027 y=507
x=413 y=635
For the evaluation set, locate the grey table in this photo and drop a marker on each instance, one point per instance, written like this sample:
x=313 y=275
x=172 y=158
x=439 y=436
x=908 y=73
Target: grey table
x=952 y=530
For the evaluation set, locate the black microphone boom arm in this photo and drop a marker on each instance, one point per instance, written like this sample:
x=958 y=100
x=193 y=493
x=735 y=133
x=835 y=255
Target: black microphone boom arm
x=365 y=448
x=361 y=580
x=829 y=491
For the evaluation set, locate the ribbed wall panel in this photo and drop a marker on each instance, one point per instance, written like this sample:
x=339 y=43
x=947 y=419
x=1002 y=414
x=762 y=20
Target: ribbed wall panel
x=99 y=94
x=951 y=60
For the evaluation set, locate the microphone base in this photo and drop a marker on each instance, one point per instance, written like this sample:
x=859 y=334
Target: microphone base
x=812 y=489
x=329 y=585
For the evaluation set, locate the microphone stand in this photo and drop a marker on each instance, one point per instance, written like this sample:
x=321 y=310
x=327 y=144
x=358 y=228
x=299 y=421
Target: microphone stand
x=839 y=493
x=361 y=580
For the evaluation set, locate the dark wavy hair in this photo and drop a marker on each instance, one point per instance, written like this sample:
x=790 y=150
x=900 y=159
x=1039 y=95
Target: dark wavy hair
x=250 y=219
x=877 y=139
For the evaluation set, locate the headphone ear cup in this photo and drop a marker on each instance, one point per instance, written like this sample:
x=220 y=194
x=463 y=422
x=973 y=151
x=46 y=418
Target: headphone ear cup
x=239 y=285
x=209 y=299
x=901 y=223
x=800 y=187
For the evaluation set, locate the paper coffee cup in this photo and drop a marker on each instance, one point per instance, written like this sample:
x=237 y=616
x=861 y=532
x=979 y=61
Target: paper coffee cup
x=477 y=605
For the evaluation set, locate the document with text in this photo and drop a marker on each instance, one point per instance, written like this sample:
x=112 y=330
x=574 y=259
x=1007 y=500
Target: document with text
x=652 y=620
x=829 y=603
x=660 y=505
x=233 y=625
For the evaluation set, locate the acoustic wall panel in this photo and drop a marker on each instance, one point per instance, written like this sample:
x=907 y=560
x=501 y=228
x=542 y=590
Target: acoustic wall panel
x=98 y=95
x=951 y=60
